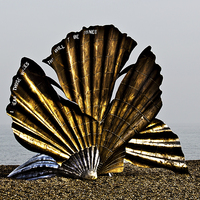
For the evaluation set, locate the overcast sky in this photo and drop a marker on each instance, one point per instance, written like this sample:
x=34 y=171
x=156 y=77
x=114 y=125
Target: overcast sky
x=172 y=28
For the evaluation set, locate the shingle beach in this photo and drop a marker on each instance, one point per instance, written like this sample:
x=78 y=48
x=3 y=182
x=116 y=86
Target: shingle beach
x=133 y=183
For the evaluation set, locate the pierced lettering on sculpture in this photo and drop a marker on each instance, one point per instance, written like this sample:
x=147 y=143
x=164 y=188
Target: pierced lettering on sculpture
x=17 y=81
x=50 y=61
x=76 y=36
x=58 y=48
x=14 y=101
x=24 y=66
x=92 y=32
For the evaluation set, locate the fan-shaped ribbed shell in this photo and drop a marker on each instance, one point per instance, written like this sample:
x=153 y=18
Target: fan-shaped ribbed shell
x=39 y=166
x=87 y=64
x=87 y=134
x=83 y=164
x=44 y=120
x=156 y=146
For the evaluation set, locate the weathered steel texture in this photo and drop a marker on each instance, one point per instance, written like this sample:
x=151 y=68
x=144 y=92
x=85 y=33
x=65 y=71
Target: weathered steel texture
x=156 y=146
x=87 y=64
x=39 y=166
x=88 y=134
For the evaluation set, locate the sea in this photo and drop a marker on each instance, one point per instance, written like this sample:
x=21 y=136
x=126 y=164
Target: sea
x=12 y=153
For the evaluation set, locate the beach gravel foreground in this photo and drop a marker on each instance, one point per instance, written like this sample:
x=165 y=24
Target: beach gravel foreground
x=133 y=183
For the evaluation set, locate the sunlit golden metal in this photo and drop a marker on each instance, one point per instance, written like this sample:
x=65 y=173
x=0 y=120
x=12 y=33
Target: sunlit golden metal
x=87 y=132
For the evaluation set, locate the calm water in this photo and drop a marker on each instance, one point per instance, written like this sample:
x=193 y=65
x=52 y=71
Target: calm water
x=12 y=153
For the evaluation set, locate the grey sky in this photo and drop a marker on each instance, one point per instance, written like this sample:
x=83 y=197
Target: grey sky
x=172 y=28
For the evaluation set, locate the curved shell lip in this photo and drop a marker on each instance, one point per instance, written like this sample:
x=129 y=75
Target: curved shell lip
x=83 y=164
x=89 y=175
x=37 y=167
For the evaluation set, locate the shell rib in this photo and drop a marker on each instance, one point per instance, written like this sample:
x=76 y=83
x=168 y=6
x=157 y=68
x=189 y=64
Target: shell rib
x=86 y=133
x=87 y=64
x=156 y=146
x=39 y=166
x=136 y=103
x=83 y=164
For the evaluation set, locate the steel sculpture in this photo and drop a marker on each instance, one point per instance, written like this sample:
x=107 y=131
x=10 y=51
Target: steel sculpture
x=87 y=134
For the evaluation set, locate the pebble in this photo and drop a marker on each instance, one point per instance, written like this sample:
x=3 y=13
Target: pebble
x=133 y=183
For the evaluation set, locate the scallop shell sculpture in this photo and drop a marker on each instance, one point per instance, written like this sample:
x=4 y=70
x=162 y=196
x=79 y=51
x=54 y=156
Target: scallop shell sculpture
x=87 y=134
